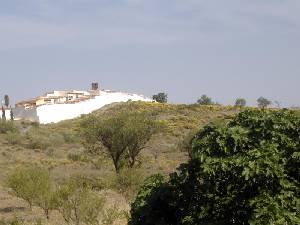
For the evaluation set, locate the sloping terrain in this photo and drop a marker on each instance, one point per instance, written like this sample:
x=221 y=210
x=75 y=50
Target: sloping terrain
x=58 y=147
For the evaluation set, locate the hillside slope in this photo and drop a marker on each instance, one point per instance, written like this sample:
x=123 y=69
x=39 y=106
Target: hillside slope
x=58 y=147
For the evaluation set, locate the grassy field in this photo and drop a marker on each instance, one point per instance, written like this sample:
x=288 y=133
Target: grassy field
x=59 y=148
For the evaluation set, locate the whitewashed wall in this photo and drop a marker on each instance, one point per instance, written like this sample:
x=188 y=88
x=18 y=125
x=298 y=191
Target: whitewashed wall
x=58 y=112
x=7 y=113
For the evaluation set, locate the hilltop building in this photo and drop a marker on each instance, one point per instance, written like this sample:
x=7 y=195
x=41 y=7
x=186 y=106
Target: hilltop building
x=6 y=111
x=61 y=105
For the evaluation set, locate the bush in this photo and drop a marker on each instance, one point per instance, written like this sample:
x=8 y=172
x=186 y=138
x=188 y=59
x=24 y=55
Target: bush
x=14 y=138
x=36 y=141
x=111 y=215
x=43 y=139
x=7 y=126
x=244 y=172
x=33 y=184
x=79 y=204
x=56 y=140
x=69 y=138
x=78 y=157
x=128 y=182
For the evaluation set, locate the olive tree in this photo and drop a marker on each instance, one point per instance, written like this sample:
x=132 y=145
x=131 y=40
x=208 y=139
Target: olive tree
x=121 y=136
x=245 y=171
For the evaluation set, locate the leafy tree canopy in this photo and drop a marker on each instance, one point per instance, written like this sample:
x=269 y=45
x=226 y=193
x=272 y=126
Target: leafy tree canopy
x=161 y=97
x=121 y=136
x=240 y=102
x=263 y=102
x=246 y=171
x=205 y=100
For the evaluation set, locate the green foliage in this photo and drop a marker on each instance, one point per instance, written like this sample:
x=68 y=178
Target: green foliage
x=244 y=172
x=14 y=138
x=14 y=221
x=7 y=126
x=186 y=143
x=37 y=141
x=69 y=137
x=205 y=100
x=240 y=102
x=120 y=136
x=33 y=184
x=78 y=204
x=128 y=182
x=38 y=138
x=263 y=102
x=111 y=215
x=142 y=210
x=161 y=97
x=78 y=157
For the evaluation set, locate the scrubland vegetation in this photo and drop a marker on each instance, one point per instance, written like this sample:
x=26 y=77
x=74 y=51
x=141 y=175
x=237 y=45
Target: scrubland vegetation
x=113 y=166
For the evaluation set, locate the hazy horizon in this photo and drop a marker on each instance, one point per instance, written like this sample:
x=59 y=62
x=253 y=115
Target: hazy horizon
x=187 y=48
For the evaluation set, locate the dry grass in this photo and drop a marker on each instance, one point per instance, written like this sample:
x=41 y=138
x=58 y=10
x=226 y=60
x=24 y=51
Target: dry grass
x=66 y=157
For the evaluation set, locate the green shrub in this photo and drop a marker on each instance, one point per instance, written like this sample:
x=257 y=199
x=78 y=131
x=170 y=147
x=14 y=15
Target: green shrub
x=14 y=138
x=246 y=172
x=56 y=139
x=7 y=126
x=79 y=204
x=128 y=182
x=33 y=184
x=37 y=141
x=78 y=157
x=111 y=215
x=69 y=137
x=43 y=139
x=92 y=182
x=15 y=221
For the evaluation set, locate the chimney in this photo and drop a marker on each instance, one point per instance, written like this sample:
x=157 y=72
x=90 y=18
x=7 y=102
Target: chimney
x=95 y=86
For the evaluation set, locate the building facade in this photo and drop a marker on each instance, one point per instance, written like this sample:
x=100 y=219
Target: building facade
x=62 y=105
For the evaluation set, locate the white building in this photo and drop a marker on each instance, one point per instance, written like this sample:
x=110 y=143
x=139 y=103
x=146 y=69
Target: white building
x=62 y=105
x=7 y=113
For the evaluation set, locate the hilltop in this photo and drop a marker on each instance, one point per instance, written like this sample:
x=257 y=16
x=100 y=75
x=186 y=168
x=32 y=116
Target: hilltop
x=59 y=148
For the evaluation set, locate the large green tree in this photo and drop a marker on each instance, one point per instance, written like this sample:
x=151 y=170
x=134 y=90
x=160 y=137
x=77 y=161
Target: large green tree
x=121 y=136
x=246 y=171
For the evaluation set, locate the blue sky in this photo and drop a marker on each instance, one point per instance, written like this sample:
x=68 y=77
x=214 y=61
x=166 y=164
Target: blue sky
x=225 y=49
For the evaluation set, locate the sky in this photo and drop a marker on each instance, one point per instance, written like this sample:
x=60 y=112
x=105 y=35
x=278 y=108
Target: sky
x=186 y=48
